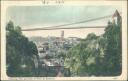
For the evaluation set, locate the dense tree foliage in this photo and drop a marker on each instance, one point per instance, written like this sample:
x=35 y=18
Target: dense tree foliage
x=20 y=52
x=113 y=50
x=97 y=55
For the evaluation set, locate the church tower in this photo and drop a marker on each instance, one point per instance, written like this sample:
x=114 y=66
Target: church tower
x=62 y=35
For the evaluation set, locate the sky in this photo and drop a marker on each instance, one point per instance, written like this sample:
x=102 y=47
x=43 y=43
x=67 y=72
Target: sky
x=45 y=16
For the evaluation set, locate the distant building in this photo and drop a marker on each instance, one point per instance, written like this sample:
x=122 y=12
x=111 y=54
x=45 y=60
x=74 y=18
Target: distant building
x=73 y=40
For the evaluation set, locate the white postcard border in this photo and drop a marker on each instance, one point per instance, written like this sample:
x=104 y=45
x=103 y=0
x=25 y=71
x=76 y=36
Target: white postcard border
x=6 y=4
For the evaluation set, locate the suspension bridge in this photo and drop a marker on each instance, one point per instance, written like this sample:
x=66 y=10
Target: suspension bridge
x=57 y=27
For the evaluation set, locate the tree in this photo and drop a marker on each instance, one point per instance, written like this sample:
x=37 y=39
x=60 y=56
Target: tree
x=113 y=49
x=20 y=52
x=97 y=55
x=78 y=57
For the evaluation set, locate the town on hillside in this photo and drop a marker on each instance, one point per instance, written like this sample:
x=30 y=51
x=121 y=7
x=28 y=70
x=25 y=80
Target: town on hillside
x=51 y=50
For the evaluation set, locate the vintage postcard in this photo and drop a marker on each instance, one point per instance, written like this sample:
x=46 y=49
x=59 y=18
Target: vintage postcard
x=64 y=40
